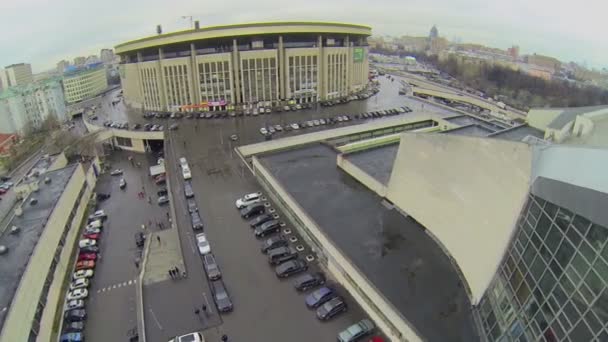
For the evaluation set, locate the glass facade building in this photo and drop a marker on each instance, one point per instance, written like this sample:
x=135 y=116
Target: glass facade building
x=552 y=284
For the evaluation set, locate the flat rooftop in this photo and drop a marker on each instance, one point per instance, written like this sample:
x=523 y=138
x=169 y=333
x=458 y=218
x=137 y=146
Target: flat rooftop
x=518 y=133
x=471 y=130
x=466 y=120
x=377 y=162
x=32 y=222
x=392 y=250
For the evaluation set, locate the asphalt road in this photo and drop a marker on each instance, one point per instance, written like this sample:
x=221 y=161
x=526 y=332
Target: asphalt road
x=111 y=303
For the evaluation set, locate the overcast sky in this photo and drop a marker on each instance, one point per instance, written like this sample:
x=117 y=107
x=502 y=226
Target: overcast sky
x=42 y=32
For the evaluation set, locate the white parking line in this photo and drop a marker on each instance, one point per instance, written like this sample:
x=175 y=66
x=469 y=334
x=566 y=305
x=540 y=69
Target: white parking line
x=119 y=285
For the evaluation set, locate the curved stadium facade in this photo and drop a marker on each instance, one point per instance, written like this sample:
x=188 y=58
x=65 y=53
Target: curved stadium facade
x=220 y=67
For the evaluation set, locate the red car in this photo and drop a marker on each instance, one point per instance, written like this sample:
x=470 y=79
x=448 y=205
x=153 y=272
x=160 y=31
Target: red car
x=87 y=256
x=85 y=264
x=160 y=179
x=91 y=236
x=2 y=191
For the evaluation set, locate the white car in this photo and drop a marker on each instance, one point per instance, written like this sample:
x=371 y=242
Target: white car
x=295 y=126
x=192 y=337
x=74 y=304
x=203 y=244
x=79 y=284
x=316 y=122
x=271 y=130
x=94 y=224
x=86 y=243
x=298 y=106
x=263 y=130
x=98 y=215
x=248 y=199
x=80 y=274
x=78 y=294
x=116 y=172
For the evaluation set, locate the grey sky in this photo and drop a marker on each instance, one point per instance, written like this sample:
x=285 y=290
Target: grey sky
x=43 y=32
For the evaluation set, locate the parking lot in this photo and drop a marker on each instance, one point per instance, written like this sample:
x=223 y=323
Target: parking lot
x=111 y=302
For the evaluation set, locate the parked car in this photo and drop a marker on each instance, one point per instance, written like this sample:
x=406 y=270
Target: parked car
x=160 y=179
x=191 y=206
x=79 y=283
x=86 y=243
x=122 y=184
x=221 y=297
x=72 y=337
x=203 y=244
x=356 y=331
x=87 y=256
x=91 y=236
x=74 y=304
x=94 y=224
x=281 y=254
x=84 y=264
x=92 y=230
x=78 y=294
x=162 y=200
x=116 y=172
x=331 y=308
x=140 y=239
x=308 y=281
x=75 y=315
x=196 y=221
x=74 y=327
x=319 y=297
x=252 y=210
x=192 y=337
x=273 y=242
x=260 y=220
x=162 y=192
x=82 y=274
x=211 y=266
x=267 y=228
x=290 y=268
x=188 y=192
x=98 y=215
x=173 y=127
x=248 y=200
x=263 y=131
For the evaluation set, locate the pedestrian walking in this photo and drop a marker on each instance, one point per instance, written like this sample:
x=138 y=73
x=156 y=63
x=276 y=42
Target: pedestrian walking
x=170 y=273
x=224 y=338
x=167 y=214
x=158 y=239
x=136 y=264
x=197 y=312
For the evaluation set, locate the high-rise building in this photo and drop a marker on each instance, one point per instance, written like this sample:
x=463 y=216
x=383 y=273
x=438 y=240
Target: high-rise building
x=107 y=55
x=16 y=75
x=27 y=106
x=80 y=60
x=434 y=32
x=62 y=65
x=92 y=59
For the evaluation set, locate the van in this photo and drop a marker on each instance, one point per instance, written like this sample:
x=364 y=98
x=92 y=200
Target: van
x=280 y=255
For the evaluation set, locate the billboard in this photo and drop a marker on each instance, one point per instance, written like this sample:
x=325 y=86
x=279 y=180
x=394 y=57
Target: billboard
x=358 y=54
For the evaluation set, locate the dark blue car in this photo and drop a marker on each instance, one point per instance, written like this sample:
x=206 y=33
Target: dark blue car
x=319 y=297
x=72 y=337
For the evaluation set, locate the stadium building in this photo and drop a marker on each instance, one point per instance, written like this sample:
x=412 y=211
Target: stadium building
x=219 y=67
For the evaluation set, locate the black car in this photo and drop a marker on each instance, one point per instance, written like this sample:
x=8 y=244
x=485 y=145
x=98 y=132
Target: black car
x=269 y=227
x=290 y=267
x=102 y=197
x=273 y=242
x=74 y=327
x=188 y=192
x=89 y=249
x=221 y=297
x=147 y=126
x=191 y=206
x=140 y=239
x=308 y=281
x=279 y=255
x=252 y=210
x=331 y=309
x=196 y=221
x=76 y=315
x=213 y=270
x=260 y=220
x=162 y=192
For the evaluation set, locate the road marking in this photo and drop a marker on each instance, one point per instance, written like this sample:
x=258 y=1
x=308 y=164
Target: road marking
x=156 y=319
x=119 y=285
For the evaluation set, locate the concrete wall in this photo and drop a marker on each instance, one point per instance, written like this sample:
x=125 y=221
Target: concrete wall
x=467 y=192
x=361 y=176
x=540 y=118
x=25 y=302
x=59 y=163
x=371 y=300
x=370 y=143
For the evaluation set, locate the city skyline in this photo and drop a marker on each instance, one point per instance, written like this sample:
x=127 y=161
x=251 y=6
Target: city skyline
x=500 y=25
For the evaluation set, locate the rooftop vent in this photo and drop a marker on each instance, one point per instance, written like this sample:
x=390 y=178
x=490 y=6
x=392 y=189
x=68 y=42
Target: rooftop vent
x=159 y=29
x=197 y=25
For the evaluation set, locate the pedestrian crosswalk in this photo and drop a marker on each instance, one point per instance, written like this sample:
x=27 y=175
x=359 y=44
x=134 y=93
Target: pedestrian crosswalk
x=117 y=286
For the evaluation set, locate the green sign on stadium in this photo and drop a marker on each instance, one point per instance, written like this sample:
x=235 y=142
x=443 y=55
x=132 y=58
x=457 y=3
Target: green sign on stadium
x=358 y=54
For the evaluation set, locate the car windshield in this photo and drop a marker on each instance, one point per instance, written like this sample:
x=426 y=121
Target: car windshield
x=320 y=294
